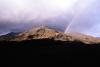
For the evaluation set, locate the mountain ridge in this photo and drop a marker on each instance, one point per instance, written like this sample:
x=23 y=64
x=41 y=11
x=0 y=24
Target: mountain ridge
x=44 y=32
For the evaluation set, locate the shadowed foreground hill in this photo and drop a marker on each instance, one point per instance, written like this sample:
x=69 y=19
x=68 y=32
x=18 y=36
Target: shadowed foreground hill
x=48 y=51
x=46 y=43
x=47 y=46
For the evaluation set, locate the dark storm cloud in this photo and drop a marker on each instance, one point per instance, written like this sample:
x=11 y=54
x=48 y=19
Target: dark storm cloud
x=19 y=15
x=6 y=26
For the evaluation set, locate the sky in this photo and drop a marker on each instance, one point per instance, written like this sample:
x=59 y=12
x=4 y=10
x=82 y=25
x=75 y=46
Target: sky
x=67 y=15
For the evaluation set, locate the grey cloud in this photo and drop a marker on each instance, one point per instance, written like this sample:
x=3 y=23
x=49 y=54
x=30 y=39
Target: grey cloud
x=18 y=19
x=88 y=22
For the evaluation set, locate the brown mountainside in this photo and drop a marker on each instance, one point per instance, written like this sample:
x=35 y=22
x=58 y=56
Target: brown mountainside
x=48 y=33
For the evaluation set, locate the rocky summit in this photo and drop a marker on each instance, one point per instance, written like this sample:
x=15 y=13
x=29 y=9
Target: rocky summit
x=45 y=32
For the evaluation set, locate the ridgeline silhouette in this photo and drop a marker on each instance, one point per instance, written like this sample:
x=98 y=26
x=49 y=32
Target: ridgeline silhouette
x=45 y=45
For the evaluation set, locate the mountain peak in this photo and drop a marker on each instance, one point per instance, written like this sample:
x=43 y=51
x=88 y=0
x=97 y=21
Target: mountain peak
x=37 y=33
x=44 y=32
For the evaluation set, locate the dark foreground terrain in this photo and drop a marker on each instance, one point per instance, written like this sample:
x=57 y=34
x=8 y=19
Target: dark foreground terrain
x=48 y=51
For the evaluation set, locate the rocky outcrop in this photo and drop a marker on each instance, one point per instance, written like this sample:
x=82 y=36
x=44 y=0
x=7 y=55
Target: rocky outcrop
x=49 y=33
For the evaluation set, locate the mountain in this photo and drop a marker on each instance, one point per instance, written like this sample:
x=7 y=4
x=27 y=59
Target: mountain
x=45 y=32
x=8 y=36
x=44 y=45
x=41 y=33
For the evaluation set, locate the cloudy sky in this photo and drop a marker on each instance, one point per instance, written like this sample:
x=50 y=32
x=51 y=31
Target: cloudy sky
x=67 y=15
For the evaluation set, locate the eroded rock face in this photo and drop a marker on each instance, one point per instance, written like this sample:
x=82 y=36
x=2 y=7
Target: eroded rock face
x=37 y=33
x=48 y=33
